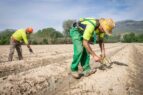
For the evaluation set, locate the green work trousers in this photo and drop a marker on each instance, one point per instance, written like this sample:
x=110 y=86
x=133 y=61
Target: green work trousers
x=80 y=53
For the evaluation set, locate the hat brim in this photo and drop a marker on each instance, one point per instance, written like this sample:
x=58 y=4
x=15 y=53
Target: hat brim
x=109 y=33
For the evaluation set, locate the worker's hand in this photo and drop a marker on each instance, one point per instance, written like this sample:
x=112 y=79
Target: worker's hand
x=96 y=58
x=102 y=56
x=30 y=50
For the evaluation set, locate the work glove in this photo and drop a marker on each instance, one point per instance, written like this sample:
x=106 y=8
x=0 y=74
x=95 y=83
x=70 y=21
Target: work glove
x=30 y=50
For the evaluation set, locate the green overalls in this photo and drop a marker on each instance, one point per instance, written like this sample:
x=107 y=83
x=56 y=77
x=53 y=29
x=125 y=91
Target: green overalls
x=80 y=53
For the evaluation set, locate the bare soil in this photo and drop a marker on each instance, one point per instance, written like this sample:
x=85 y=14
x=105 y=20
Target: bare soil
x=46 y=72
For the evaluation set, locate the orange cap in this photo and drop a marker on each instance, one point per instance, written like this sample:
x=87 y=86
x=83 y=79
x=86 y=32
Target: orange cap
x=29 y=30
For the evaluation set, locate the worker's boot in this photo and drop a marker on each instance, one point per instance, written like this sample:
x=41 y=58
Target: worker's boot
x=75 y=74
x=87 y=73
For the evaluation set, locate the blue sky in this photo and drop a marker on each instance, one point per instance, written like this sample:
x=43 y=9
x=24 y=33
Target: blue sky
x=15 y=14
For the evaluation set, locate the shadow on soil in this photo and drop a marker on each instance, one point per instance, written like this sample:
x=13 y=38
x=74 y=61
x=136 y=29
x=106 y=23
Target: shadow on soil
x=104 y=66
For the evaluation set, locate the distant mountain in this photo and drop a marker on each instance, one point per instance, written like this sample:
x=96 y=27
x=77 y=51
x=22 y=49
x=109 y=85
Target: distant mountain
x=123 y=27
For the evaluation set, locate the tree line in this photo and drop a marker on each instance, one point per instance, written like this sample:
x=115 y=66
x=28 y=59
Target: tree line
x=132 y=37
x=52 y=36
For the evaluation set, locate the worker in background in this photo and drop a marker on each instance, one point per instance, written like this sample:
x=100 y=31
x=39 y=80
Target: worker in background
x=16 y=39
x=81 y=33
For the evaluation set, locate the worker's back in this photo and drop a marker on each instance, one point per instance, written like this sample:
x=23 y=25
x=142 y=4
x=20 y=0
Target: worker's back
x=20 y=35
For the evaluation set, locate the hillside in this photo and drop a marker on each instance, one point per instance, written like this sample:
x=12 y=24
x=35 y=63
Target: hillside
x=128 y=26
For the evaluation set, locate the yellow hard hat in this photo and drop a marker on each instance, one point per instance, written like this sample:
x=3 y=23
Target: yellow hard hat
x=107 y=24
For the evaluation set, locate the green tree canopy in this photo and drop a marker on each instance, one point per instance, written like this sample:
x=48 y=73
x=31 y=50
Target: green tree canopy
x=46 y=36
x=66 y=26
x=5 y=36
x=130 y=38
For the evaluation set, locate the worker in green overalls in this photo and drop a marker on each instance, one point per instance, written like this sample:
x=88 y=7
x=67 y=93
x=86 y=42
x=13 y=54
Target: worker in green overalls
x=81 y=33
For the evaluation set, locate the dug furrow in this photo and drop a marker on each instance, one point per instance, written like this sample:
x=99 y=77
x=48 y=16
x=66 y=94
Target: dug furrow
x=135 y=84
x=20 y=66
x=87 y=85
x=41 y=80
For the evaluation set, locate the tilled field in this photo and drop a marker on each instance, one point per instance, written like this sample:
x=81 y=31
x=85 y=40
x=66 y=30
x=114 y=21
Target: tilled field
x=46 y=72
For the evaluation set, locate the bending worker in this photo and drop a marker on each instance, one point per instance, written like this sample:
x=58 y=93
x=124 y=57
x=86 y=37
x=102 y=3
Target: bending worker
x=15 y=42
x=81 y=33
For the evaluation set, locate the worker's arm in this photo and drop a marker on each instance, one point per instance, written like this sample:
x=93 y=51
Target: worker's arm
x=30 y=49
x=88 y=48
x=86 y=37
x=101 y=45
x=24 y=36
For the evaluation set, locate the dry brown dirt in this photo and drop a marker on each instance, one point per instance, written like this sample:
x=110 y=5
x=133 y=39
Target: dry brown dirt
x=46 y=72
